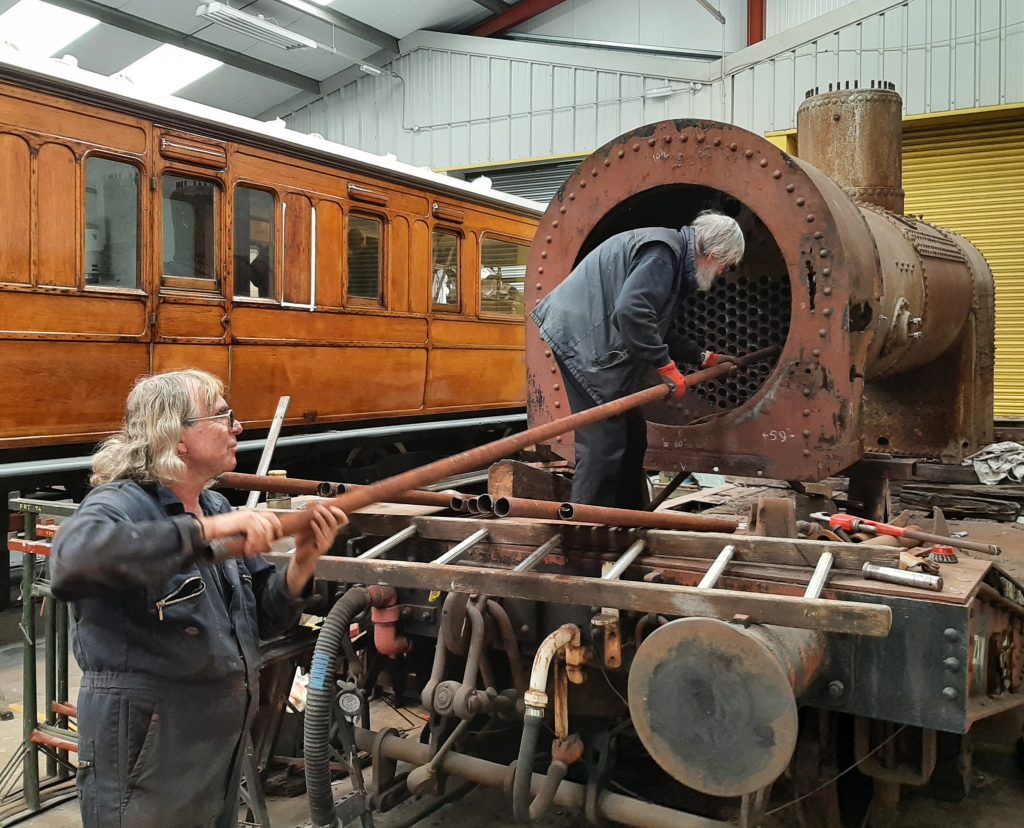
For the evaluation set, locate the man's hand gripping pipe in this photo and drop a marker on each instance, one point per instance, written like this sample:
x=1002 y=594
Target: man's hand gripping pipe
x=480 y=456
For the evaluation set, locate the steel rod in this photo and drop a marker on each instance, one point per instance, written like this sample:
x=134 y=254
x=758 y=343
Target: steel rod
x=482 y=455
x=625 y=560
x=281 y=485
x=460 y=549
x=387 y=545
x=526 y=508
x=650 y=520
x=717 y=567
x=820 y=576
x=537 y=556
x=891 y=575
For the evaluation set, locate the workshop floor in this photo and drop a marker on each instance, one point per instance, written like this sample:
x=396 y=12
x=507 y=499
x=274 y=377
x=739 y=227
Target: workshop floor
x=996 y=799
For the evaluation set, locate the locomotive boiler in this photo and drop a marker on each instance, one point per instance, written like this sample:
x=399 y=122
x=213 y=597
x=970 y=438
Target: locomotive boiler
x=689 y=673
x=885 y=322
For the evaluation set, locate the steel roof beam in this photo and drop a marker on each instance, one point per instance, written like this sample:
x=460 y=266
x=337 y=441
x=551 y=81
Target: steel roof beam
x=496 y=6
x=342 y=21
x=165 y=34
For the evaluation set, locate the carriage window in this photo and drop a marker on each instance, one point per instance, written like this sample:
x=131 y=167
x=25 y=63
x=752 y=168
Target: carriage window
x=445 y=286
x=190 y=223
x=502 y=276
x=364 y=258
x=254 y=243
x=111 y=223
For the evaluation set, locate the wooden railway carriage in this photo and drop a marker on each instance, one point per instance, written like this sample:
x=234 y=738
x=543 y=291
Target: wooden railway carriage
x=141 y=236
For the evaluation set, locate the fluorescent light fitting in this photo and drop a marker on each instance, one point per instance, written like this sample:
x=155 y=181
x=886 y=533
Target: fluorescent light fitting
x=660 y=91
x=370 y=70
x=255 y=26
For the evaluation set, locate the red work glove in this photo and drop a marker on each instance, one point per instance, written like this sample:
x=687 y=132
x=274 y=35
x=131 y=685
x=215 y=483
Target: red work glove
x=709 y=359
x=673 y=379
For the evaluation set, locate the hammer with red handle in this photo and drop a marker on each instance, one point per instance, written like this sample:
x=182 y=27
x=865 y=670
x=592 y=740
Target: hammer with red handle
x=849 y=523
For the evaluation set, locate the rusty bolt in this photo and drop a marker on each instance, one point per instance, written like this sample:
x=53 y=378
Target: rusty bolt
x=583 y=185
x=790 y=188
x=807 y=432
x=807 y=452
x=541 y=287
x=558 y=404
x=827 y=312
x=952 y=664
x=636 y=147
x=572 y=196
x=836 y=116
x=836 y=689
x=553 y=368
x=807 y=412
x=764 y=162
x=806 y=391
x=809 y=217
x=554 y=223
x=540 y=270
x=561 y=210
x=544 y=253
x=749 y=153
x=621 y=153
x=684 y=137
x=950 y=693
x=801 y=201
x=556 y=387
x=822 y=332
x=547 y=352
x=823 y=253
x=667 y=139
x=558 y=439
x=827 y=291
x=816 y=352
x=818 y=234
x=547 y=239
x=700 y=138
x=950 y=634
x=826 y=271
x=524 y=630
x=650 y=143
x=776 y=174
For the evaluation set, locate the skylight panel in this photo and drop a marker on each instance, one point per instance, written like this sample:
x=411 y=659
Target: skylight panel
x=168 y=68
x=39 y=28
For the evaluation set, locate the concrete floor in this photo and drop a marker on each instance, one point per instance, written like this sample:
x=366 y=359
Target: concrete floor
x=996 y=800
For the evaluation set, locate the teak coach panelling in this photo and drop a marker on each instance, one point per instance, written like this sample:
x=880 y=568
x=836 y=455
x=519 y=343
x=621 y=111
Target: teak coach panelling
x=347 y=359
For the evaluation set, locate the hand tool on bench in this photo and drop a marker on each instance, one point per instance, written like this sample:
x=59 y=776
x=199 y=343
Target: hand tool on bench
x=850 y=523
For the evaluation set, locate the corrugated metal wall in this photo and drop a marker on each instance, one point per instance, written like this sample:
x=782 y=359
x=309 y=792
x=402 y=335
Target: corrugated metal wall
x=941 y=54
x=666 y=23
x=457 y=108
x=970 y=179
x=782 y=15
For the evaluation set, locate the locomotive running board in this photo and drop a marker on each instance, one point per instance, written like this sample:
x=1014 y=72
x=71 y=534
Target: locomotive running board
x=665 y=599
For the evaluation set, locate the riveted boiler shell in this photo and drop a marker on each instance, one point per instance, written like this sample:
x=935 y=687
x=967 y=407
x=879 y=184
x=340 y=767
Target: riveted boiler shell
x=809 y=282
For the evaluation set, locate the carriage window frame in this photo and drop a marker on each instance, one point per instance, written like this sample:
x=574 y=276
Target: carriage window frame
x=493 y=314
x=139 y=288
x=196 y=284
x=364 y=301
x=276 y=274
x=460 y=238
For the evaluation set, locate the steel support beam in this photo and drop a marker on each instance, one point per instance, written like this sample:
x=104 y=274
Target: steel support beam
x=165 y=34
x=496 y=6
x=519 y=13
x=348 y=24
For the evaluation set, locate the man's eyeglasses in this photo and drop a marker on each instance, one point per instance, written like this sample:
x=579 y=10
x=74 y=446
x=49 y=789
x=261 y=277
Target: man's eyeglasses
x=230 y=414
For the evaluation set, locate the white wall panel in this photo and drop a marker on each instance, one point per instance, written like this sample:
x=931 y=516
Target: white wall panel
x=780 y=15
x=672 y=24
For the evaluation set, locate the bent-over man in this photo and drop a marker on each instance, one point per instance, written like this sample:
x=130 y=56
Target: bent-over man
x=608 y=327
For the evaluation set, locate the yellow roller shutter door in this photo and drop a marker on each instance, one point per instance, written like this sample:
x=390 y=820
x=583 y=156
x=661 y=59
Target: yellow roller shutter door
x=969 y=178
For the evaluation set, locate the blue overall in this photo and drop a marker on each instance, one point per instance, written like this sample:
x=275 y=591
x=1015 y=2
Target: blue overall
x=169 y=652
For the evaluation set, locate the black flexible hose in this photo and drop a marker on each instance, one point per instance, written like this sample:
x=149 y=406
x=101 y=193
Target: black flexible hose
x=317 y=725
x=524 y=768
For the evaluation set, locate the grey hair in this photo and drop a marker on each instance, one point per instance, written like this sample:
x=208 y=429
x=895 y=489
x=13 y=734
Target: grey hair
x=719 y=236
x=145 y=450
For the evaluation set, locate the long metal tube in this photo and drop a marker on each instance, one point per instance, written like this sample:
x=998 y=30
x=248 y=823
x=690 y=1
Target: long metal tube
x=613 y=807
x=891 y=575
x=626 y=560
x=650 y=520
x=388 y=544
x=537 y=556
x=526 y=508
x=322 y=488
x=482 y=455
x=717 y=567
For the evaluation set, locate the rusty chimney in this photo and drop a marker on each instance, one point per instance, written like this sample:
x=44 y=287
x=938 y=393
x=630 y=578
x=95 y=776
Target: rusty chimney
x=855 y=137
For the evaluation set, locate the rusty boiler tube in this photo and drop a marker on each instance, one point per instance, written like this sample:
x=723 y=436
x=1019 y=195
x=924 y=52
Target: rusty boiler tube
x=715 y=704
x=649 y=520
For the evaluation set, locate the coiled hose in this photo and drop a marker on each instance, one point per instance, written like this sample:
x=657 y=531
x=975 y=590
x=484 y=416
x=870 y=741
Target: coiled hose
x=317 y=725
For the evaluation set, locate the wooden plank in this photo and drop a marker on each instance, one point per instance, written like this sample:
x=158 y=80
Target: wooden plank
x=522 y=532
x=666 y=599
x=697 y=496
x=940 y=473
x=992 y=508
x=511 y=478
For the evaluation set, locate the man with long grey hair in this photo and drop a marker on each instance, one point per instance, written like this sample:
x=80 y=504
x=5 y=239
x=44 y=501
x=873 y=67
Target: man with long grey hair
x=608 y=324
x=168 y=641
